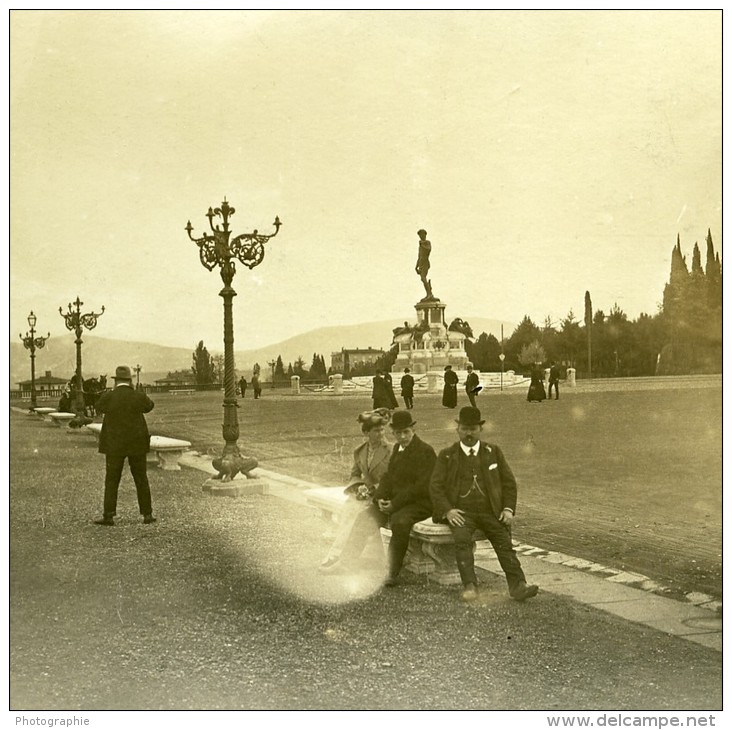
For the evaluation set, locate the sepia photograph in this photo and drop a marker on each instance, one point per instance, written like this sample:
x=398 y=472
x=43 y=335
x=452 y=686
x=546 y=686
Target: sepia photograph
x=365 y=360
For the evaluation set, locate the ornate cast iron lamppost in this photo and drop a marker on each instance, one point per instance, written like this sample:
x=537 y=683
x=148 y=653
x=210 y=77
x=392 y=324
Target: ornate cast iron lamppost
x=77 y=322
x=33 y=343
x=216 y=249
x=137 y=370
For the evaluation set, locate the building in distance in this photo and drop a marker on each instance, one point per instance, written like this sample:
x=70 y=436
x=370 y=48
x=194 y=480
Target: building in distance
x=355 y=361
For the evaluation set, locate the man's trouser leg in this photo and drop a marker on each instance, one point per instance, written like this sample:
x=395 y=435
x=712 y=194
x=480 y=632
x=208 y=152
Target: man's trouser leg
x=500 y=538
x=464 y=544
x=471 y=398
x=401 y=523
x=115 y=463
x=138 y=467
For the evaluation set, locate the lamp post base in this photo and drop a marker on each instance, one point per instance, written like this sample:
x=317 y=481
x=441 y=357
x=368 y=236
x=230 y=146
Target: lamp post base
x=239 y=487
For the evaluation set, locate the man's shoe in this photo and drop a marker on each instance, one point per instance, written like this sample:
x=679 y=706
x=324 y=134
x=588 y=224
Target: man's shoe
x=105 y=521
x=470 y=593
x=521 y=592
x=148 y=520
x=391 y=581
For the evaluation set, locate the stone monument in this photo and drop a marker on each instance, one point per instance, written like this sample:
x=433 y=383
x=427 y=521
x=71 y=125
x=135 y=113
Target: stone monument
x=430 y=344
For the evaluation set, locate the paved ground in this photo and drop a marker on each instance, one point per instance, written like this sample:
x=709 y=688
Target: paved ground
x=219 y=606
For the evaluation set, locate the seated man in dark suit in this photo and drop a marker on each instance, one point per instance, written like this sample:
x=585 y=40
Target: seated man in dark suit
x=473 y=488
x=401 y=499
x=124 y=435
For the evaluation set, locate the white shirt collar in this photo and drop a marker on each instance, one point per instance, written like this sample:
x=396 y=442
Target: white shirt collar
x=126 y=385
x=466 y=449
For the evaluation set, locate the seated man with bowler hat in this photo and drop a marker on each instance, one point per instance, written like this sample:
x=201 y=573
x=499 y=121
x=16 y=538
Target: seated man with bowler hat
x=401 y=499
x=124 y=435
x=473 y=488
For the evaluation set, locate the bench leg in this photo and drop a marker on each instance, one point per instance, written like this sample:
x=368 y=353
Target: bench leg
x=168 y=460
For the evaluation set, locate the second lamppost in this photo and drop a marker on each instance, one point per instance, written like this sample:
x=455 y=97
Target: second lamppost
x=78 y=322
x=217 y=249
x=33 y=343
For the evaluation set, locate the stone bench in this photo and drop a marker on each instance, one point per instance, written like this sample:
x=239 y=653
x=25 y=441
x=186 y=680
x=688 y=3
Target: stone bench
x=44 y=413
x=168 y=451
x=61 y=419
x=431 y=545
x=183 y=391
x=164 y=451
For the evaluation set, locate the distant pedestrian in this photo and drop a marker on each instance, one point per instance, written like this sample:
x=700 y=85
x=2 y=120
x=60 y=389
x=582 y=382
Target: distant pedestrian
x=256 y=386
x=473 y=488
x=407 y=384
x=472 y=385
x=449 y=392
x=536 y=386
x=243 y=387
x=380 y=392
x=390 y=390
x=554 y=380
x=124 y=435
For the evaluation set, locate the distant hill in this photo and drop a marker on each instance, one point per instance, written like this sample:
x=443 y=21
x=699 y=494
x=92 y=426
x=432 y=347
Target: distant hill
x=102 y=355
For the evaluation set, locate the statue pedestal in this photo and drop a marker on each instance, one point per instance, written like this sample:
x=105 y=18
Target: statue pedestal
x=429 y=346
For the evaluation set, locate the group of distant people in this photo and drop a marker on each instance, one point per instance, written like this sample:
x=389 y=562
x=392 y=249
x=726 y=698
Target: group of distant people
x=469 y=486
x=537 y=392
x=256 y=386
x=383 y=390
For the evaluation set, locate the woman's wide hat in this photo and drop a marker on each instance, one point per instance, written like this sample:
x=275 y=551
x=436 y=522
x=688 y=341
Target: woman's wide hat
x=469 y=416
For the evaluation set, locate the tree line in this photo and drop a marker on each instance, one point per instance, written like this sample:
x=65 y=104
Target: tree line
x=683 y=337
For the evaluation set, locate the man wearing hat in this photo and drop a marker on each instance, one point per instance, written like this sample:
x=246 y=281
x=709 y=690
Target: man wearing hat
x=473 y=488
x=401 y=499
x=407 y=384
x=472 y=384
x=124 y=435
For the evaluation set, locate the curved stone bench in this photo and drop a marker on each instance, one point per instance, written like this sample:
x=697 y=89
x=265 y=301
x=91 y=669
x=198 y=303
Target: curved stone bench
x=431 y=545
x=61 y=419
x=164 y=451
x=44 y=413
x=168 y=451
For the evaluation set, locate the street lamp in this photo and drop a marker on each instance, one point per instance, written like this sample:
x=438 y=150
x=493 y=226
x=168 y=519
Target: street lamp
x=272 y=364
x=77 y=322
x=215 y=249
x=33 y=343
x=137 y=370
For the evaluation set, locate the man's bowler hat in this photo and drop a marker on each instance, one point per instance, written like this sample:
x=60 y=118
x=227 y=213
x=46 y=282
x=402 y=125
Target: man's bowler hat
x=123 y=373
x=469 y=416
x=401 y=420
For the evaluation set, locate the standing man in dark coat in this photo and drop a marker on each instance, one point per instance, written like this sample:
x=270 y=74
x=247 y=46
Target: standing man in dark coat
x=472 y=384
x=407 y=384
x=554 y=380
x=473 y=488
x=401 y=499
x=124 y=435
x=243 y=386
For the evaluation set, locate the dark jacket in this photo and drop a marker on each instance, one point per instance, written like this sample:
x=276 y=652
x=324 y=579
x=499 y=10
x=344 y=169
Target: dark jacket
x=471 y=381
x=124 y=430
x=380 y=393
x=496 y=473
x=407 y=384
x=407 y=479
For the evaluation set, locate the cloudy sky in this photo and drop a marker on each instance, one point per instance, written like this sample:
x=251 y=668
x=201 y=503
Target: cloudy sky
x=545 y=153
